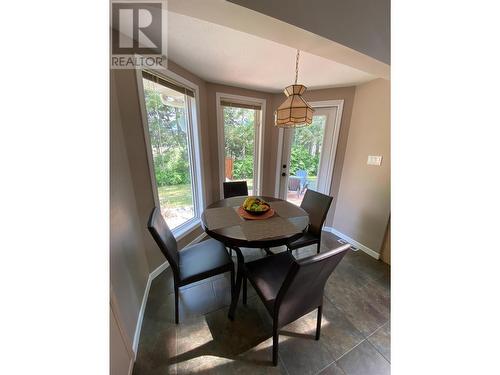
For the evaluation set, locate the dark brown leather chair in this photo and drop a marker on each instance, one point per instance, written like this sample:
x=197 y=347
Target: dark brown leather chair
x=197 y=262
x=291 y=288
x=235 y=189
x=317 y=206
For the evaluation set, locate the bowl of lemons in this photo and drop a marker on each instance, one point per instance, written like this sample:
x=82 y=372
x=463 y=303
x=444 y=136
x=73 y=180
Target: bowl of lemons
x=255 y=206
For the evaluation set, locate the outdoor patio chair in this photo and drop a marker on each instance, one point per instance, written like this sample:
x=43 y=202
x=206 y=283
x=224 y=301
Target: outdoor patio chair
x=302 y=175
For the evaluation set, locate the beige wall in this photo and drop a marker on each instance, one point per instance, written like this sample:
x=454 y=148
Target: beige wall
x=119 y=356
x=385 y=253
x=129 y=268
x=363 y=205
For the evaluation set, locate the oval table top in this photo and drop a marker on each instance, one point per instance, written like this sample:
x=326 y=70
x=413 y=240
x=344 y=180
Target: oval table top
x=221 y=221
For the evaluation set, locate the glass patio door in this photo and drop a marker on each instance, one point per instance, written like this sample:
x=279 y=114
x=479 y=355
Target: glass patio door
x=308 y=156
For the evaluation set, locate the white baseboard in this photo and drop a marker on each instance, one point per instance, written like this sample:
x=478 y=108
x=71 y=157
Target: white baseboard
x=138 y=326
x=162 y=267
x=355 y=243
x=131 y=366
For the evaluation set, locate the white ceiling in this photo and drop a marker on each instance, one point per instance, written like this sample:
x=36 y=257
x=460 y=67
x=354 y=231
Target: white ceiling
x=223 y=55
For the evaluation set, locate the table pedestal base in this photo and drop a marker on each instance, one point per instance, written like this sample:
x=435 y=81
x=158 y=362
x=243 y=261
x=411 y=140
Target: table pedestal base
x=239 y=278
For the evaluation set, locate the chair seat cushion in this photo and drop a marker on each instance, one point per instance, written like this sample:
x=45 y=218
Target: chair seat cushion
x=306 y=240
x=204 y=259
x=267 y=275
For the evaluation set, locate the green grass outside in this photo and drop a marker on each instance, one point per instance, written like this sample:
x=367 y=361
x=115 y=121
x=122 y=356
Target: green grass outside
x=174 y=196
x=180 y=195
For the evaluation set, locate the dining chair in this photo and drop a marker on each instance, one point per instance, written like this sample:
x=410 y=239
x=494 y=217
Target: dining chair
x=317 y=206
x=291 y=288
x=196 y=262
x=235 y=189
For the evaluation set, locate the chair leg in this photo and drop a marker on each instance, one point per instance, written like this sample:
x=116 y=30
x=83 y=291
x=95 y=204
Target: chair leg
x=244 y=289
x=232 y=282
x=318 y=322
x=318 y=248
x=176 y=291
x=268 y=251
x=275 y=344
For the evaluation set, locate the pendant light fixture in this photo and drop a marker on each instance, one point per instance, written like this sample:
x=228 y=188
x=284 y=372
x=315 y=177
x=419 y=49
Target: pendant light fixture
x=294 y=112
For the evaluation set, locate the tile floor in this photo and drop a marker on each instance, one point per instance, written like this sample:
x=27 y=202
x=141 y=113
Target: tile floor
x=355 y=333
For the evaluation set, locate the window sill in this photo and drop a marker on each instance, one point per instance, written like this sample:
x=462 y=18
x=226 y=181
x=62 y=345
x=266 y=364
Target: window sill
x=183 y=230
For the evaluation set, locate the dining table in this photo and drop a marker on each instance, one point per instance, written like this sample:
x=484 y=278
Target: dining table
x=225 y=222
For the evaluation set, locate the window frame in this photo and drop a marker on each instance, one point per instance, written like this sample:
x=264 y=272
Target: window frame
x=194 y=147
x=258 y=140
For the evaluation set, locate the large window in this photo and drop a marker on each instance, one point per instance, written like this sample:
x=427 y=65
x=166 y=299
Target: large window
x=240 y=127
x=239 y=136
x=169 y=117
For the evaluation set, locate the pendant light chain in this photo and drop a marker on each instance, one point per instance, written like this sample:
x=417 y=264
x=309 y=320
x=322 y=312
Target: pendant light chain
x=297 y=67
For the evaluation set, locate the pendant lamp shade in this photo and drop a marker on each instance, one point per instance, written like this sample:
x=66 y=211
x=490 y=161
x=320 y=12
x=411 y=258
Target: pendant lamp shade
x=294 y=112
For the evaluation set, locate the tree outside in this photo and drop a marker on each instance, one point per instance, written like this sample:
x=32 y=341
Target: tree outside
x=306 y=147
x=166 y=111
x=239 y=135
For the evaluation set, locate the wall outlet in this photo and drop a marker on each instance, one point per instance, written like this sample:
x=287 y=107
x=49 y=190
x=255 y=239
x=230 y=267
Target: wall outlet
x=374 y=160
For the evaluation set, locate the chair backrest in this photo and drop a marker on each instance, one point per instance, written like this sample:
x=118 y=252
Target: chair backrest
x=317 y=206
x=164 y=239
x=301 y=173
x=235 y=189
x=302 y=290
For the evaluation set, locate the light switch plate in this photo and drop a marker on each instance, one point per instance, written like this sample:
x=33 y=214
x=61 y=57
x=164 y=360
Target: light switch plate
x=374 y=160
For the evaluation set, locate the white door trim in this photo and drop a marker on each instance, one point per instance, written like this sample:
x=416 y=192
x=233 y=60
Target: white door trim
x=259 y=137
x=336 y=131
x=279 y=160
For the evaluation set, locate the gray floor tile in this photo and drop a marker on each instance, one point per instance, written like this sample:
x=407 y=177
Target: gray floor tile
x=365 y=303
x=364 y=359
x=357 y=302
x=333 y=369
x=381 y=340
x=303 y=355
x=337 y=332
